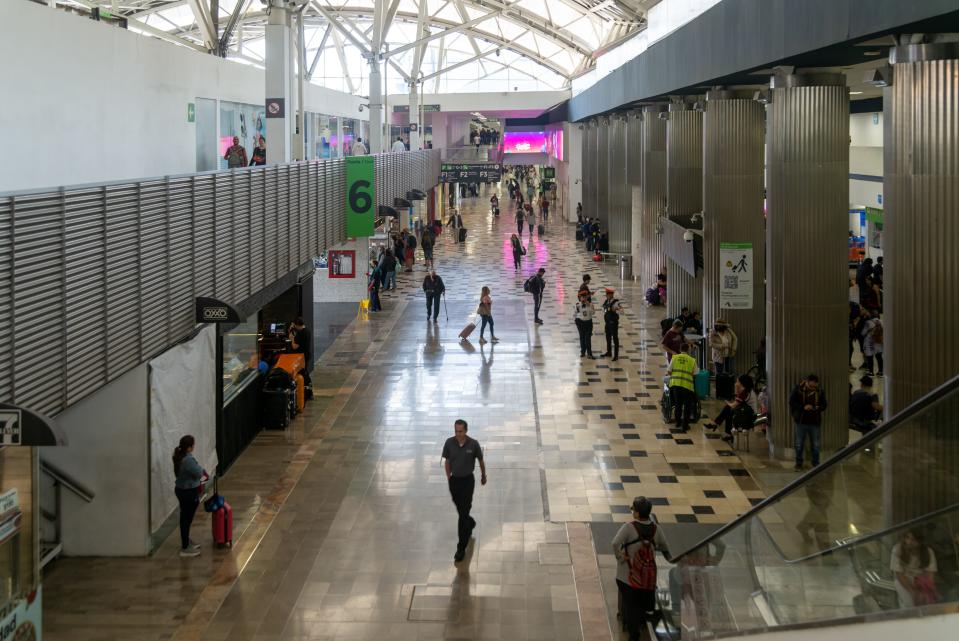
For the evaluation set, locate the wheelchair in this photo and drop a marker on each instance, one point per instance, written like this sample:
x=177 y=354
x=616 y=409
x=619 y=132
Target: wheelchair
x=668 y=407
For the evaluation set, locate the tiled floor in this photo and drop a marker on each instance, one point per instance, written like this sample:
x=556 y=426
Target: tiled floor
x=347 y=529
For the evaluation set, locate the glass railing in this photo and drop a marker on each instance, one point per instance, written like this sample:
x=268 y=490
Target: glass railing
x=874 y=530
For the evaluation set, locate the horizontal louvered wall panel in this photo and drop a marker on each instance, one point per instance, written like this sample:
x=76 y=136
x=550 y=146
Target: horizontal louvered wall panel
x=113 y=270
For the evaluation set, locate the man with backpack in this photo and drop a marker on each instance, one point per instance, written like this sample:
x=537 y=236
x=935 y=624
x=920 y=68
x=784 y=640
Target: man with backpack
x=536 y=285
x=635 y=546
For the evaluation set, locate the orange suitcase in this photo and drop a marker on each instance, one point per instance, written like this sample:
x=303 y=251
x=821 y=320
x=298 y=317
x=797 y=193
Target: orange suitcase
x=300 y=393
x=292 y=363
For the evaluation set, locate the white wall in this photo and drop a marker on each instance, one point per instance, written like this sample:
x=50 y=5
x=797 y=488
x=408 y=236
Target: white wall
x=88 y=102
x=865 y=157
x=107 y=453
x=345 y=290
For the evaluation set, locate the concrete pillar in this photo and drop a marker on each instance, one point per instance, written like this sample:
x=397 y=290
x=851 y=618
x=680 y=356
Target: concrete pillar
x=589 y=169
x=620 y=218
x=684 y=185
x=414 y=118
x=807 y=289
x=653 y=194
x=921 y=280
x=634 y=175
x=280 y=95
x=376 y=108
x=573 y=134
x=733 y=192
x=601 y=161
x=299 y=131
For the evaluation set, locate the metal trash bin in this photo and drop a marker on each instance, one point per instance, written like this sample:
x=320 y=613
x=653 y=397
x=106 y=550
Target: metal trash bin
x=626 y=267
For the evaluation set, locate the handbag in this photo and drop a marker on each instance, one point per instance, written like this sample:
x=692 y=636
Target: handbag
x=483 y=309
x=215 y=502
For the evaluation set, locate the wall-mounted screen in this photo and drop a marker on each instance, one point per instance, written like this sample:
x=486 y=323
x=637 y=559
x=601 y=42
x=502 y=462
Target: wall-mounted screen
x=524 y=142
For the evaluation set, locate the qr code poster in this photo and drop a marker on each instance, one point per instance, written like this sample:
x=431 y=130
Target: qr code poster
x=736 y=267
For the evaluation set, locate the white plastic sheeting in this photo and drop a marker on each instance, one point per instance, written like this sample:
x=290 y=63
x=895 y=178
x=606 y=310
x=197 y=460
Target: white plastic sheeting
x=182 y=401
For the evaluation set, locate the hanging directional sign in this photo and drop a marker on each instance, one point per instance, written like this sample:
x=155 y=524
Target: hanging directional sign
x=360 y=196
x=471 y=173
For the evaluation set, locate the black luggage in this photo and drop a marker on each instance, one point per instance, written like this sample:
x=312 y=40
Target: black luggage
x=275 y=412
x=462 y=234
x=725 y=386
x=541 y=229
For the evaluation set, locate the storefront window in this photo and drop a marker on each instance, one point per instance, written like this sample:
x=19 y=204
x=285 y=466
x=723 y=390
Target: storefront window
x=321 y=136
x=17 y=534
x=349 y=136
x=240 y=357
x=246 y=122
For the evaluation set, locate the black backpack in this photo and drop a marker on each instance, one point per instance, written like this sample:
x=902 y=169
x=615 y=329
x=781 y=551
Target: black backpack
x=528 y=285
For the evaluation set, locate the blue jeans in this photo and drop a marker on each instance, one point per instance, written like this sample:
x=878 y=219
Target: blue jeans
x=391 y=280
x=815 y=439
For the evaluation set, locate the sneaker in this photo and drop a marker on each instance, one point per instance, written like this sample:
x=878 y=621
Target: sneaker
x=615 y=358
x=496 y=340
x=538 y=321
x=193 y=546
x=482 y=341
x=710 y=426
x=188 y=552
x=582 y=354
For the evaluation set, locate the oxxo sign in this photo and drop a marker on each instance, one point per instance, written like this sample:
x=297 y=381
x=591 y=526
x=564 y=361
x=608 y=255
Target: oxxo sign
x=360 y=195
x=211 y=310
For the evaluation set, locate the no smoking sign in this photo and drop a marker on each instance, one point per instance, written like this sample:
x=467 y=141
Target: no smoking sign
x=274 y=108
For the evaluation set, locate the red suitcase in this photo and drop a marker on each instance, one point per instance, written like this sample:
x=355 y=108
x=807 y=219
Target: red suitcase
x=223 y=526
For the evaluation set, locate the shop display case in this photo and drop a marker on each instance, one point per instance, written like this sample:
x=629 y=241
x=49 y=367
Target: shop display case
x=240 y=356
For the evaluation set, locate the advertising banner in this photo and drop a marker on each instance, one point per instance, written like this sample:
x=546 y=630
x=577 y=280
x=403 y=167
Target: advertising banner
x=23 y=622
x=360 y=196
x=736 y=275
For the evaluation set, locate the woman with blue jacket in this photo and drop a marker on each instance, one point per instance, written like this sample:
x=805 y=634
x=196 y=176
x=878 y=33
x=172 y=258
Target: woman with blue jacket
x=190 y=477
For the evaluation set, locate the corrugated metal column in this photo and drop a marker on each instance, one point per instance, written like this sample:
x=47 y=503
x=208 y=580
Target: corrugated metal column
x=589 y=169
x=684 y=185
x=634 y=176
x=733 y=139
x=653 y=199
x=807 y=290
x=618 y=187
x=921 y=282
x=602 y=173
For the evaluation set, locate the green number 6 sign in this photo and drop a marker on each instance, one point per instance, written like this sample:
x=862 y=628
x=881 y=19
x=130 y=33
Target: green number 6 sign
x=360 y=195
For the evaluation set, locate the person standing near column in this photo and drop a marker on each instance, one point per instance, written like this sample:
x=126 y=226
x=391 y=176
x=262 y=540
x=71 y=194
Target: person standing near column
x=807 y=403
x=611 y=310
x=584 y=323
x=461 y=454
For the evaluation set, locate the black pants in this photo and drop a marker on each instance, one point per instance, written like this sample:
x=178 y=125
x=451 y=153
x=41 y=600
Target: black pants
x=537 y=303
x=684 y=401
x=517 y=257
x=870 y=361
x=189 y=500
x=636 y=606
x=375 y=299
x=585 y=329
x=432 y=306
x=461 y=489
x=519 y=228
x=725 y=419
x=612 y=339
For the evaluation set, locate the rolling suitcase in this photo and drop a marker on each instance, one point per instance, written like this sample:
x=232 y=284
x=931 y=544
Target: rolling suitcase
x=701 y=383
x=462 y=234
x=541 y=229
x=468 y=330
x=300 y=393
x=724 y=386
x=221 y=517
x=275 y=409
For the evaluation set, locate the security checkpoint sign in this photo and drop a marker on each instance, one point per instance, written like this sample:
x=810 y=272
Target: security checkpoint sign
x=360 y=196
x=736 y=275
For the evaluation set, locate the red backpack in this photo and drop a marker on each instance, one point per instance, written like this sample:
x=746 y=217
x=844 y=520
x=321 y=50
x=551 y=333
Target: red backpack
x=642 y=562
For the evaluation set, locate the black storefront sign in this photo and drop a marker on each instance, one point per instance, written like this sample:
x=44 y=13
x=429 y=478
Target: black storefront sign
x=211 y=310
x=471 y=173
x=21 y=427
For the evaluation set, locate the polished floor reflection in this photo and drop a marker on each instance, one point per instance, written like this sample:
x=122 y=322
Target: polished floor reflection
x=346 y=529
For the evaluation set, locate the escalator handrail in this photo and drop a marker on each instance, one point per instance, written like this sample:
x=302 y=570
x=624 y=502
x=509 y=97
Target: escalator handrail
x=838 y=457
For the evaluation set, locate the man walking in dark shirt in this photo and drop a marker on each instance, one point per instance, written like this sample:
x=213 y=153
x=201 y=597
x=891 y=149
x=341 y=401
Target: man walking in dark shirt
x=434 y=288
x=536 y=286
x=461 y=453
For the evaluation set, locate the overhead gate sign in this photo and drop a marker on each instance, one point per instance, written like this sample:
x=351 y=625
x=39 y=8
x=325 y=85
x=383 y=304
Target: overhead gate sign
x=471 y=173
x=736 y=275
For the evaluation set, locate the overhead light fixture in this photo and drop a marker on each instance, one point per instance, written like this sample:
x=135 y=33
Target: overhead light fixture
x=872 y=53
x=854 y=93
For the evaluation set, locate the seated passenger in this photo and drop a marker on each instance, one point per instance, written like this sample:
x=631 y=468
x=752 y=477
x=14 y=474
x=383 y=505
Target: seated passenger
x=865 y=410
x=914 y=565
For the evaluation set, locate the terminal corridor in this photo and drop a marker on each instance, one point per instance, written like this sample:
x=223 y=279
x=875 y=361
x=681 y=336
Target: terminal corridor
x=346 y=528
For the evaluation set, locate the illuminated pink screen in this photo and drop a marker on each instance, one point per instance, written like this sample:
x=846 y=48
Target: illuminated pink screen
x=556 y=144
x=524 y=142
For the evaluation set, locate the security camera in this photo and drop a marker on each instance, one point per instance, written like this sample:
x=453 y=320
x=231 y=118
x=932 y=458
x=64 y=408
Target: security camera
x=688 y=236
x=362 y=106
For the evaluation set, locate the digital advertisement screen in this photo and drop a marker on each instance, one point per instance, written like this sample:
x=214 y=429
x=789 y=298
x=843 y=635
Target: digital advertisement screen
x=555 y=144
x=524 y=142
